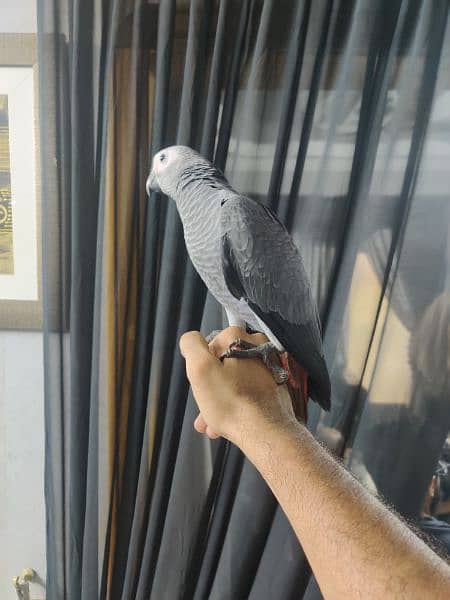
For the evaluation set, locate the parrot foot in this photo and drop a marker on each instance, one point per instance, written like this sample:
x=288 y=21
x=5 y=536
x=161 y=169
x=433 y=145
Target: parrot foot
x=209 y=338
x=267 y=352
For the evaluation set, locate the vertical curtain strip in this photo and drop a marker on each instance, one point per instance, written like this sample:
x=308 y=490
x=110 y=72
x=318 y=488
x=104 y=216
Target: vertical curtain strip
x=52 y=116
x=286 y=207
x=84 y=212
x=98 y=473
x=294 y=62
x=232 y=85
x=144 y=341
x=171 y=386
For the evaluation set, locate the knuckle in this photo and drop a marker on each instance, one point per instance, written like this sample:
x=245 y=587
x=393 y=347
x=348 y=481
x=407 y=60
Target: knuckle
x=217 y=347
x=226 y=337
x=257 y=338
x=229 y=334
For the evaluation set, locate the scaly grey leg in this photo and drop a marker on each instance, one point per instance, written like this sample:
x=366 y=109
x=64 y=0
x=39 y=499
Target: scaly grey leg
x=267 y=352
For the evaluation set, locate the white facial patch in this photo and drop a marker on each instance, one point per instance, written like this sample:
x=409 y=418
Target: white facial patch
x=160 y=161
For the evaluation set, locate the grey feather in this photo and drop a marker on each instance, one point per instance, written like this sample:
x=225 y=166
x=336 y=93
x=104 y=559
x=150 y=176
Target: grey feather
x=270 y=265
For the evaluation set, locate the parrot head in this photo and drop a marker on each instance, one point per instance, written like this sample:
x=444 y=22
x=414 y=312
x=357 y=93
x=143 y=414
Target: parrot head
x=175 y=168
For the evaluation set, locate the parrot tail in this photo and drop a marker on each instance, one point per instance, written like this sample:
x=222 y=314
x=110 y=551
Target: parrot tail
x=297 y=386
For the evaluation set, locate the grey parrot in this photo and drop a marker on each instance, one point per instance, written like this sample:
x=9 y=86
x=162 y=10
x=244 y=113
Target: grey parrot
x=250 y=264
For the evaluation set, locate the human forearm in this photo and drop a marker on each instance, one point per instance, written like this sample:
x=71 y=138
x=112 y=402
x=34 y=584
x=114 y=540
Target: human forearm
x=355 y=545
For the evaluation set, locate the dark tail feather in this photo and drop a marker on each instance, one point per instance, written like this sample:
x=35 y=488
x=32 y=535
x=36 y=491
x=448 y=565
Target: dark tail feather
x=320 y=387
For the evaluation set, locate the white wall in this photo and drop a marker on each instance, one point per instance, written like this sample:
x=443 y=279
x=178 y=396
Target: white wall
x=18 y=16
x=22 y=514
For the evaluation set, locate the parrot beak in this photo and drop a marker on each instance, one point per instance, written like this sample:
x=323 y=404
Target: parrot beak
x=152 y=184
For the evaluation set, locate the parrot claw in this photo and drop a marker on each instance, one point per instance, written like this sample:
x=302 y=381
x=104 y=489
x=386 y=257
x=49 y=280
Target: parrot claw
x=267 y=352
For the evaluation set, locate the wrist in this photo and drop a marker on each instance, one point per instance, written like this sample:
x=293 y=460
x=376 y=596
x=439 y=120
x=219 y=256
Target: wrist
x=261 y=427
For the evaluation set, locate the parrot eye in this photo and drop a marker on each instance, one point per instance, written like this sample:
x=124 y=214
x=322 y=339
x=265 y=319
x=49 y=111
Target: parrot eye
x=162 y=157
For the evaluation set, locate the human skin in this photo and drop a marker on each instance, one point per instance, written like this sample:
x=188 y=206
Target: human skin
x=356 y=546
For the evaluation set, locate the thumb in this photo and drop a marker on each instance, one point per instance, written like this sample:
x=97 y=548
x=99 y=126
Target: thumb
x=200 y=362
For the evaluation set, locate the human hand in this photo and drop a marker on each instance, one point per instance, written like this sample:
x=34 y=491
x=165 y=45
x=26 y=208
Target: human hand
x=234 y=395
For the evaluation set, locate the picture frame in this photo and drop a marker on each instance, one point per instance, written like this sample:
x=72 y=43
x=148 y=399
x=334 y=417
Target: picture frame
x=20 y=206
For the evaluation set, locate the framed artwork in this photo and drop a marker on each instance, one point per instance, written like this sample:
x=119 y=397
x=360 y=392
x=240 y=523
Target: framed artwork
x=20 y=238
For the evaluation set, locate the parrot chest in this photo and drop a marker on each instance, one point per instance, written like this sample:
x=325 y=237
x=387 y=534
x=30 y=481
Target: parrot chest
x=204 y=247
x=205 y=254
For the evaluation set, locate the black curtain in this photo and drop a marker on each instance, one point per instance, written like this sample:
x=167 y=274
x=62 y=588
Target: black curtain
x=336 y=114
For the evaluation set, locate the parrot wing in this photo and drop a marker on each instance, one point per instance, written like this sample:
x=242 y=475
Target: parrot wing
x=263 y=266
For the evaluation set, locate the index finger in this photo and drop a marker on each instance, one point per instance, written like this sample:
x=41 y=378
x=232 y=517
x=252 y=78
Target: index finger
x=200 y=362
